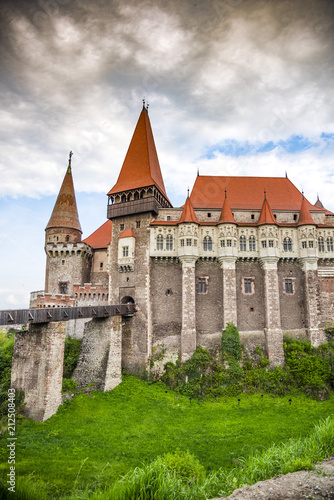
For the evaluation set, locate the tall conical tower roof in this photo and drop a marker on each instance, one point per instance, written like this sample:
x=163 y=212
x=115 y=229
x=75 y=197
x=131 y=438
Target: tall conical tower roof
x=226 y=216
x=304 y=215
x=65 y=212
x=188 y=213
x=266 y=215
x=141 y=165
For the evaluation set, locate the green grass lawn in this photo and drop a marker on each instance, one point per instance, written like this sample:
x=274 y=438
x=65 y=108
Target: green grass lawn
x=104 y=435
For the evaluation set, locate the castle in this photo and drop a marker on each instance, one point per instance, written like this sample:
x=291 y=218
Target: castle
x=247 y=250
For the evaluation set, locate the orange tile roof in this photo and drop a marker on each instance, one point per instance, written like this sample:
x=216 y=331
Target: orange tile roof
x=226 y=216
x=65 y=212
x=141 y=165
x=304 y=215
x=188 y=214
x=266 y=215
x=246 y=193
x=101 y=237
x=126 y=233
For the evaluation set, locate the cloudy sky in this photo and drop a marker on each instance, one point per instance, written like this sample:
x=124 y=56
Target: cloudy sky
x=235 y=87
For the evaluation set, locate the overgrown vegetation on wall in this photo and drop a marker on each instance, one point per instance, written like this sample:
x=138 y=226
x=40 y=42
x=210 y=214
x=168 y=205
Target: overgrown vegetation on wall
x=307 y=369
x=71 y=357
x=6 y=355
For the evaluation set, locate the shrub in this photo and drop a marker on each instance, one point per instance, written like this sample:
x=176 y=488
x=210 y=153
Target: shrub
x=185 y=466
x=69 y=385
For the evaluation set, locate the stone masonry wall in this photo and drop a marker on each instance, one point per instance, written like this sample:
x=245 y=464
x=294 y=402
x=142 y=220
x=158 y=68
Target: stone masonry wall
x=166 y=299
x=188 y=332
x=100 y=356
x=209 y=311
x=67 y=269
x=138 y=348
x=38 y=368
x=250 y=307
x=273 y=331
x=292 y=308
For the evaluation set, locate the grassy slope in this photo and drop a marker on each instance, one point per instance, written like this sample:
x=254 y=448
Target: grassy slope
x=136 y=422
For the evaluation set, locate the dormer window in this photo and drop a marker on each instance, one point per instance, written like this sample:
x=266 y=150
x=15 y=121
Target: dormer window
x=67 y=238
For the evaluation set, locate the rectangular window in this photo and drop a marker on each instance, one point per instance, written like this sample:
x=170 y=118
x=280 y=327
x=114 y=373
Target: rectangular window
x=63 y=287
x=121 y=227
x=271 y=243
x=62 y=262
x=188 y=242
x=310 y=244
x=222 y=243
x=125 y=251
x=168 y=217
x=304 y=244
x=195 y=243
x=182 y=243
x=288 y=285
x=201 y=285
x=138 y=224
x=247 y=285
x=101 y=265
x=228 y=243
x=264 y=243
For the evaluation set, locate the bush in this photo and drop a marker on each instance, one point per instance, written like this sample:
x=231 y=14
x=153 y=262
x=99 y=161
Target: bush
x=185 y=466
x=69 y=385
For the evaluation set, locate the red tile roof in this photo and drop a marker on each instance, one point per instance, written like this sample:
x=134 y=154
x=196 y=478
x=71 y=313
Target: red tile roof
x=141 y=165
x=246 y=193
x=101 y=237
x=188 y=214
x=304 y=215
x=126 y=233
x=266 y=215
x=65 y=212
x=226 y=216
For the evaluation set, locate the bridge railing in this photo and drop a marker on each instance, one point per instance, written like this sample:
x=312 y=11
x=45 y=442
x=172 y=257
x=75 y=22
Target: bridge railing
x=45 y=315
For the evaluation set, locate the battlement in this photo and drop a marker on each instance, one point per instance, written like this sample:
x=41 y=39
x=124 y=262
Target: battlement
x=68 y=250
x=41 y=299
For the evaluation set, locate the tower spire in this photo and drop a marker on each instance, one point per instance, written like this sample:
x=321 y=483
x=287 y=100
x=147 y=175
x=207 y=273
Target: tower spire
x=65 y=213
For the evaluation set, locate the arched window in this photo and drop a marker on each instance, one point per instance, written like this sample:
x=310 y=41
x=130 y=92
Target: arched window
x=329 y=244
x=321 y=244
x=287 y=244
x=242 y=243
x=207 y=243
x=251 y=243
x=169 y=242
x=160 y=242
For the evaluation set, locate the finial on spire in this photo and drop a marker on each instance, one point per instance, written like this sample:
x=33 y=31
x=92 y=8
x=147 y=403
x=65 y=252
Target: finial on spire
x=144 y=102
x=69 y=162
x=265 y=194
x=225 y=194
x=197 y=171
x=147 y=105
x=188 y=192
x=303 y=193
x=286 y=174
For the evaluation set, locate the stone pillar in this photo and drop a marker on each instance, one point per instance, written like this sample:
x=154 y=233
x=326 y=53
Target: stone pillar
x=188 y=332
x=312 y=306
x=101 y=354
x=37 y=368
x=114 y=365
x=273 y=331
x=229 y=289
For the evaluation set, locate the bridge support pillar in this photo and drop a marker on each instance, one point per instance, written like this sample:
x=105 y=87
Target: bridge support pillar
x=100 y=359
x=37 y=368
